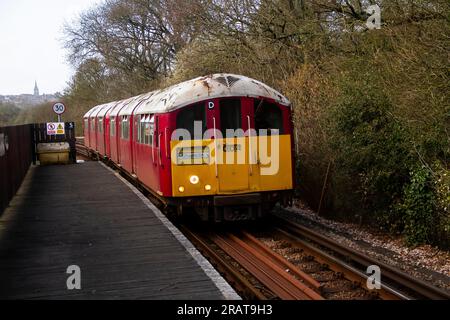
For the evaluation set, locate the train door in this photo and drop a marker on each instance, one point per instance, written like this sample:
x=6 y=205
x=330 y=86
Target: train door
x=86 y=132
x=125 y=143
x=274 y=145
x=113 y=138
x=135 y=143
x=92 y=133
x=106 y=136
x=100 y=138
x=232 y=168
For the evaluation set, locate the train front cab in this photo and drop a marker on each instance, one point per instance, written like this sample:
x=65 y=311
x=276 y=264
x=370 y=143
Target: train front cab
x=237 y=178
x=89 y=127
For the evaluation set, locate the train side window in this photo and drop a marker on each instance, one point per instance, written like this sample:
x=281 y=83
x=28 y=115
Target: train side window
x=150 y=129
x=92 y=124
x=86 y=124
x=230 y=115
x=186 y=118
x=125 y=128
x=112 y=127
x=137 y=128
x=268 y=116
x=155 y=131
x=141 y=130
x=100 y=125
x=146 y=129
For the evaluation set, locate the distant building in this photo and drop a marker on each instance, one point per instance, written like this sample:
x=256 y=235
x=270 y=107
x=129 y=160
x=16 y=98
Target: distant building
x=36 y=89
x=30 y=100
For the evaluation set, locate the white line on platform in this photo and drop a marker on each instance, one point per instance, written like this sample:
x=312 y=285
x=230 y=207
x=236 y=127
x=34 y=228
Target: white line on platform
x=227 y=291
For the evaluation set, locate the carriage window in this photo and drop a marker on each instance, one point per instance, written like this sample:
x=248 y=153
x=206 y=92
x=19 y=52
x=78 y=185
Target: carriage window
x=268 y=116
x=100 y=125
x=92 y=124
x=86 y=124
x=230 y=115
x=154 y=131
x=146 y=129
x=125 y=128
x=113 y=127
x=137 y=128
x=150 y=129
x=187 y=117
x=142 y=129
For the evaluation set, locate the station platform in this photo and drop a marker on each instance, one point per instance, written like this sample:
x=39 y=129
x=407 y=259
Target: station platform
x=86 y=215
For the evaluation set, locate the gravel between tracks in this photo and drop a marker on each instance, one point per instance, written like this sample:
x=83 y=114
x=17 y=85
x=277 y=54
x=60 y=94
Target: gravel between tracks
x=424 y=262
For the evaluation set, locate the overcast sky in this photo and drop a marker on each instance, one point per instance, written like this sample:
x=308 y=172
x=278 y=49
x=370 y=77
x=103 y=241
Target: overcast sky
x=30 y=44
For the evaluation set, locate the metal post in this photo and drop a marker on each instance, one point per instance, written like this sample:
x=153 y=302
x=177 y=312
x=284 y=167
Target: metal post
x=324 y=188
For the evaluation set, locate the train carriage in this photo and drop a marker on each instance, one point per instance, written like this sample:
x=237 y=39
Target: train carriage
x=103 y=127
x=126 y=136
x=90 y=127
x=115 y=129
x=221 y=144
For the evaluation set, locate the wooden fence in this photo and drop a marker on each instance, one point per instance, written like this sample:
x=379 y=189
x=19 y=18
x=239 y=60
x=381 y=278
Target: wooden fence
x=15 y=159
x=18 y=150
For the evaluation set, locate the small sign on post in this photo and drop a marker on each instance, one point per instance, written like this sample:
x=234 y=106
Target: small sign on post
x=59 y=108
x=54 y=128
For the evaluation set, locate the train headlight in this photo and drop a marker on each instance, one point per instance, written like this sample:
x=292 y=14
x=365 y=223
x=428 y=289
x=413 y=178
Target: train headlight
x=208 y=187
x=181 y=189
x=194 y=179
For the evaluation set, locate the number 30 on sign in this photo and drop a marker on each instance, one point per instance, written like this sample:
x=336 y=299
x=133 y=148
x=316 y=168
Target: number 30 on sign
x=59 y=108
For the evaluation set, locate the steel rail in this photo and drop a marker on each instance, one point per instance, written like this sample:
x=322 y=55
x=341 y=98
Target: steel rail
x=282 y=262
x=338 y=266
x=276 y=279
x=234 y=277
x=403 y=279
x=82 y=150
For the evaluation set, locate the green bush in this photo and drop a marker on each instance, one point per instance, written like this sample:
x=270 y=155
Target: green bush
x=442 y=192
x=370 y=152
x=418 y=207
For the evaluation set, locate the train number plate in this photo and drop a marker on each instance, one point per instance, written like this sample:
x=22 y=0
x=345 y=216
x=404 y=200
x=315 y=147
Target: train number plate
x=232 y=147
x=192 y=155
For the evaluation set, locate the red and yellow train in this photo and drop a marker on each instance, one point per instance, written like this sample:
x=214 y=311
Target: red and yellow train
x=222 y=144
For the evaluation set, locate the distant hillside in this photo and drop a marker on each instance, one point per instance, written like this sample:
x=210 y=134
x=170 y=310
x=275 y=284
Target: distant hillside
x=28 y=100
x=8 y=113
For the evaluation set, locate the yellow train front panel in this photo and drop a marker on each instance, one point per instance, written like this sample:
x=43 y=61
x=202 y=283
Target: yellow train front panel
x=231 y=166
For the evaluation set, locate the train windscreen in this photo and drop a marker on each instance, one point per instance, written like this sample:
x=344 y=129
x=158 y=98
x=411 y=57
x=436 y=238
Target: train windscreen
x=268 y=116
x=230 y=115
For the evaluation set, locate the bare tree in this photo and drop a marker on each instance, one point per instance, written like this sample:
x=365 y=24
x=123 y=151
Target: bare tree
x=136 y=37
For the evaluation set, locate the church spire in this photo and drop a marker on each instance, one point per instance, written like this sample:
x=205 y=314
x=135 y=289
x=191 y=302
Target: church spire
x=36 y=89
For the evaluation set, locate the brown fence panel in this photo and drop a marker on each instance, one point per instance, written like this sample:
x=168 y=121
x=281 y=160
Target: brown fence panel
x=17 y=151
x=15 y=159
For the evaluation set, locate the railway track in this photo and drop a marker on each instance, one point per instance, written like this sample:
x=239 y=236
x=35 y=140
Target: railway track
x=352 y=259
x=244 y=258
x=265 y=275
x=289 y=261
x=82 y=150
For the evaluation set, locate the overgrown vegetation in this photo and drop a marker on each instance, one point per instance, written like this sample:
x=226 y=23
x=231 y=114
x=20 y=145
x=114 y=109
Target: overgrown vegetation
x=373 y=105
x=8 y=114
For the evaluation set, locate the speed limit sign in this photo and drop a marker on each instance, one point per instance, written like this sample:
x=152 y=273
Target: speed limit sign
x=59 y=108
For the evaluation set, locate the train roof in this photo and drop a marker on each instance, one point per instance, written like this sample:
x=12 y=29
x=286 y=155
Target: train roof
x=199 y=89
x=114 y=111
x=92 y=111
x=100 y=112
x=107 y=107
x=129 y=108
